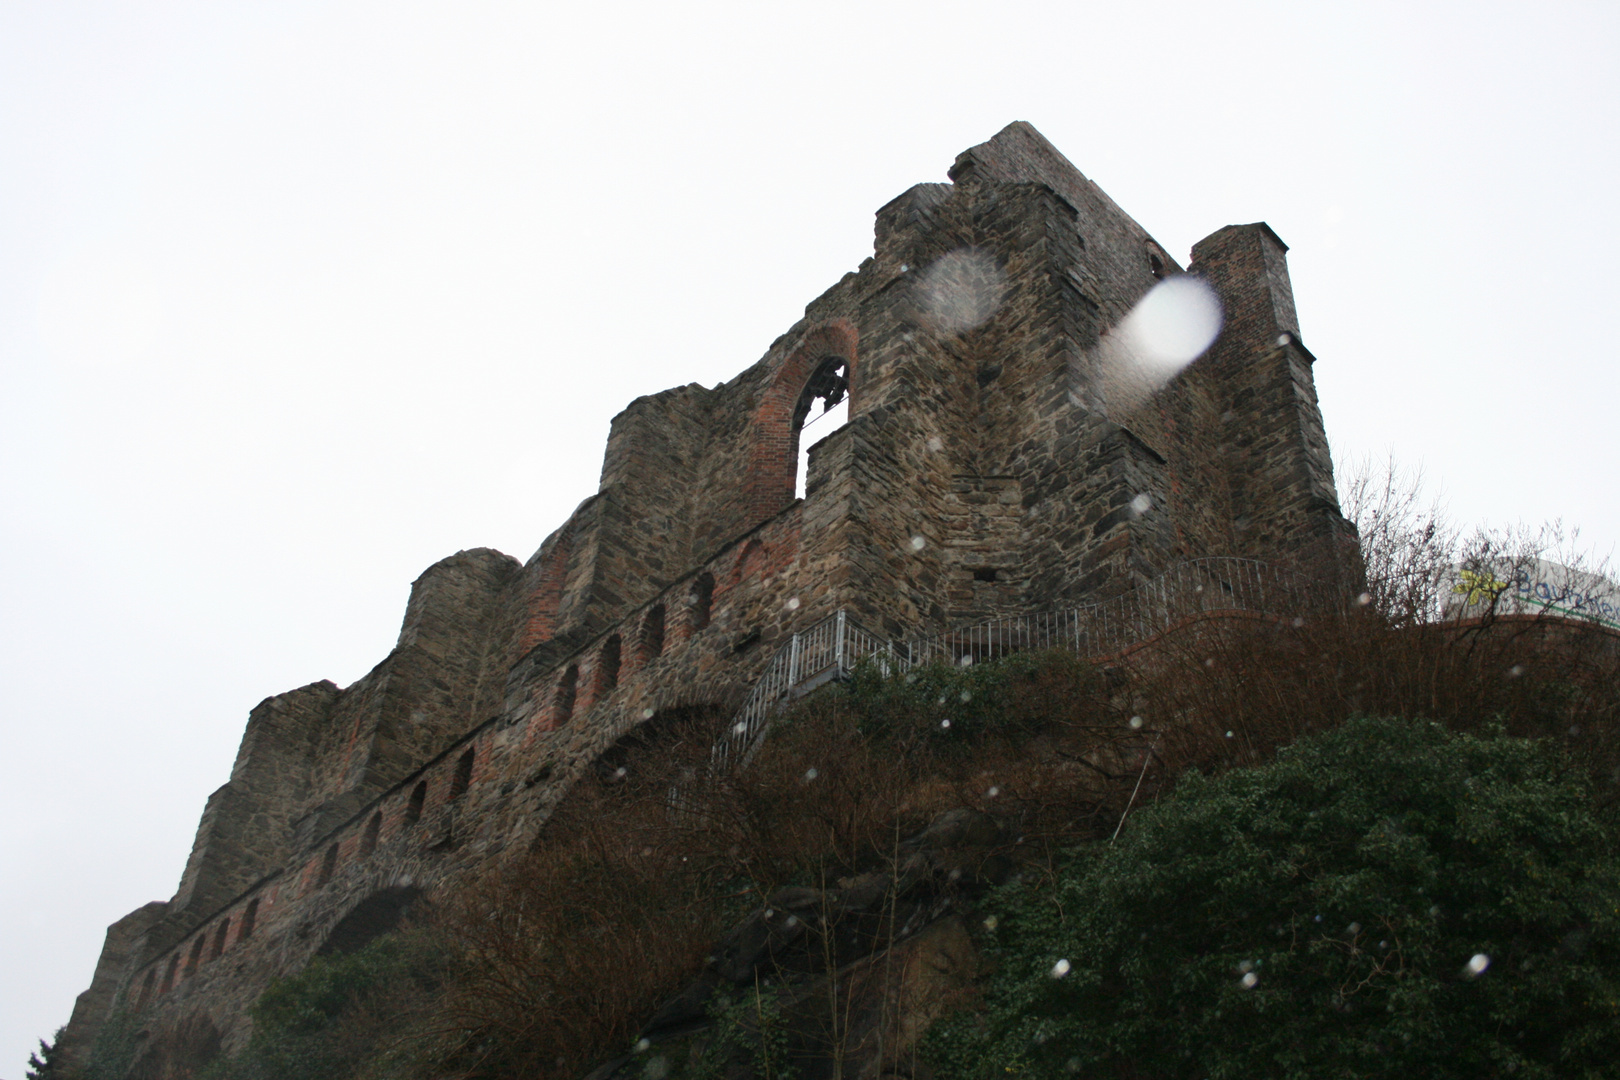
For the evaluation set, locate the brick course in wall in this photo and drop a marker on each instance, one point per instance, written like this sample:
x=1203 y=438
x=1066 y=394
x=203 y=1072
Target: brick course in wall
x=988 y=467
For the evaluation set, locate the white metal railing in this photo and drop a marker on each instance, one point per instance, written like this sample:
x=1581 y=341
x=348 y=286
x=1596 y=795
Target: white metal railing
x=830 y=649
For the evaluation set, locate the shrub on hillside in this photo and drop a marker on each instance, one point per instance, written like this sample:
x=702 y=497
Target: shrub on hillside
x=1388 y=899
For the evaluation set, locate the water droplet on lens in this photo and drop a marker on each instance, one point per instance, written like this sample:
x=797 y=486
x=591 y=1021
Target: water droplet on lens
x=1136 y=721
x=1141 y=504
x=1477 y=964
x=643 y=1044
x=990 y=922
x=944 y=723
x=1249 y=980
x=1228 y=734
x=993 y=792
x=1515 y=671
x=739 y=728
x=647 y=713
x=1364 y=599
x=793 y=603
x=918 y=543
x=1060 y=969
x=935 y=443
x=810 y=774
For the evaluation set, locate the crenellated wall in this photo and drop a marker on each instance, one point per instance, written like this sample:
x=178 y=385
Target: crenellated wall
x=989 y=466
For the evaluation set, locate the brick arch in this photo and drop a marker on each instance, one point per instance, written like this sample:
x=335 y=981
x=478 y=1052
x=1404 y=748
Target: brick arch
x=773 y=452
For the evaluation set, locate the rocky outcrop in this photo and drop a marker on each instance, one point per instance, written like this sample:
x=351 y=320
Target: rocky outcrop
x=836 y=980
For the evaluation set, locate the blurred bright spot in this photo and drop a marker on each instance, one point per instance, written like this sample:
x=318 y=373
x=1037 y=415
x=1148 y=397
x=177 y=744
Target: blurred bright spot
x=960 y=291
x=1477 y=964
x=1136 y=721
x=1168 y=329
x=810 y=774
x=1249 y=980
x=1175 y=322
x=918 y=543
x=1141 y=504
x=1060 y=969
x=793 y=603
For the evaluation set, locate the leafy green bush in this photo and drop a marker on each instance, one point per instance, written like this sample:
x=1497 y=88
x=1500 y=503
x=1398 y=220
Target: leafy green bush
x=1387 y=899
x=951 y=706
x=336 y=1018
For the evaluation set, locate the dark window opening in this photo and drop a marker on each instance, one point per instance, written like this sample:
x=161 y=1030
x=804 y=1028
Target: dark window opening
x=376 y=915
x=219 y=939
x=1156 y=264
x=607 y=666
x=830 y=386
x=196 y=955
x=328 y=865
x=984 y=573
x=463 y=778
x=413 y=809
x=146 y=989
x=702 y=600
x=567 y=690
x=249 y=916
x=368 y=842
x=652 y=633
x=170 y=975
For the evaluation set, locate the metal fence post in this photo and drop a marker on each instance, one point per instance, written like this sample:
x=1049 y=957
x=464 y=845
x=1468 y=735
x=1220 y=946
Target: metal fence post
x=838 y=645
x=793 y=663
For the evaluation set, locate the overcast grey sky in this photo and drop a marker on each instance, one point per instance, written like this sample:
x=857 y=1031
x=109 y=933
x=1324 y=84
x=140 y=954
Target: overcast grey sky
x=297 y=298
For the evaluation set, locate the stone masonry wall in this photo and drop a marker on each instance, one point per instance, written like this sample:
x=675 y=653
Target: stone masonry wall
x=988 y=467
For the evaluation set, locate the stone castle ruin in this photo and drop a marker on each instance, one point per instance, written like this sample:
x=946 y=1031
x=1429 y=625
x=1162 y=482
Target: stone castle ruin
x=999 y=458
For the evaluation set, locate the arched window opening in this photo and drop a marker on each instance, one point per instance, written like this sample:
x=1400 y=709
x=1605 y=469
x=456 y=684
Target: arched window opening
x=652 y=633
x=463 y=778
x=219 y=939
x=196 y=955
x=413 y=809
x=376 y=915
x=250 y=915
x=171 y=974
x=368 y=842
x=702 y=599
x=328 y=865
x=146 y=989
x=607 y=667
x=830 y=386
x=567 y=690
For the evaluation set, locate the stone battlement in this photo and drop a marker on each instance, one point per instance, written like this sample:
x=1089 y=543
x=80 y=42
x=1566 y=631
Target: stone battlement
x=997 y=460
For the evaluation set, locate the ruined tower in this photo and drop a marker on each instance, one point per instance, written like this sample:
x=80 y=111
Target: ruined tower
x=993 y=462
